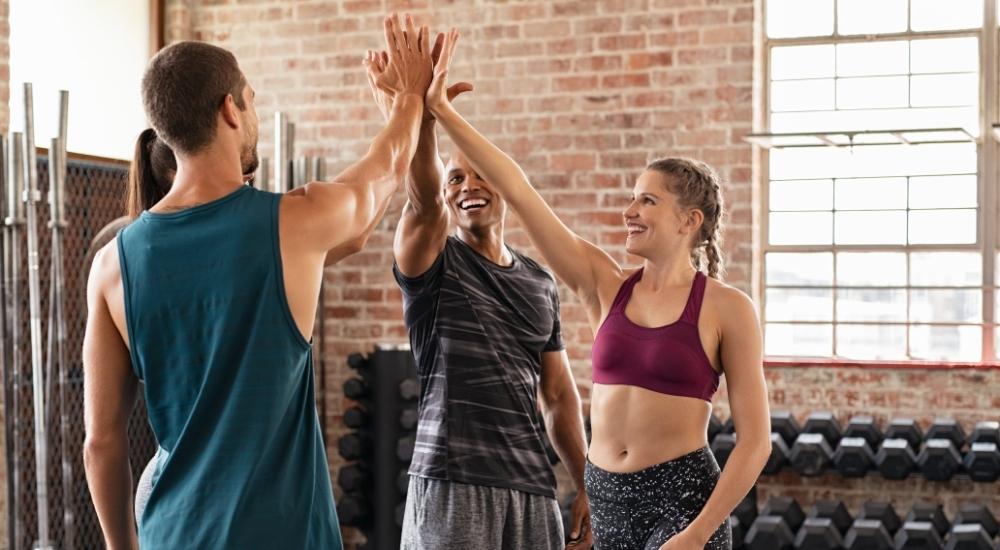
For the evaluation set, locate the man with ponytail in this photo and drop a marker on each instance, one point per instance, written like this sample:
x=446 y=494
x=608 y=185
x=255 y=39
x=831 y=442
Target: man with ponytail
x=664 y=334
x=209 y=296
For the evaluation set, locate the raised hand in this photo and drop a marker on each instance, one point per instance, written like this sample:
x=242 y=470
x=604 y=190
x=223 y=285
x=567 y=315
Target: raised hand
x=439 y=94
x=409 y=67
x=454 y=90
x=375 y=67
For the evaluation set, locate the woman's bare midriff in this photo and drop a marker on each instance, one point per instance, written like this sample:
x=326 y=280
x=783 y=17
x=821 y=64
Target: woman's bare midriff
x=633 y=428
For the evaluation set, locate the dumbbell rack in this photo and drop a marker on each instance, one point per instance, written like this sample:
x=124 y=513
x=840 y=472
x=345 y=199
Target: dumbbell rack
x=383 y=423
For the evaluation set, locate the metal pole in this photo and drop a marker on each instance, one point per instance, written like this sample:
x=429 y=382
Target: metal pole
x=34 y=305
x=280 y=147
x=7 y=343
x=289 y=180
x=14 y=221
x=263 y=180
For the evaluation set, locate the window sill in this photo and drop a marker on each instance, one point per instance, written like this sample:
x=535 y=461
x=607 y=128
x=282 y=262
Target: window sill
x=792 y=362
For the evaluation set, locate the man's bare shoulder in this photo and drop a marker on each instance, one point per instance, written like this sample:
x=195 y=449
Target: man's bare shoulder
x=105 y=270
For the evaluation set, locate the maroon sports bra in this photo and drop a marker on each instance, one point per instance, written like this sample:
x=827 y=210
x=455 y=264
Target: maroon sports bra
x=668 y=359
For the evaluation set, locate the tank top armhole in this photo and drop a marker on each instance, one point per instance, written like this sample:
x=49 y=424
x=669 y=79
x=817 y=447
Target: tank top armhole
x=279 y=277
x=126 y=295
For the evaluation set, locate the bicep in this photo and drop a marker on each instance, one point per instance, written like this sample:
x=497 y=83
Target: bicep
x=741 y=350
x=419 y=239
x=110 y=386
x=320 y=217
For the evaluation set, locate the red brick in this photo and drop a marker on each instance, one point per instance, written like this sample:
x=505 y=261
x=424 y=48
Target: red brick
x=622 y=42
x=597 y=25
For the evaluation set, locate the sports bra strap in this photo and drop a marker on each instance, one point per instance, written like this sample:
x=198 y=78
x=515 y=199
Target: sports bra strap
x=625 y=292
x=693 y=307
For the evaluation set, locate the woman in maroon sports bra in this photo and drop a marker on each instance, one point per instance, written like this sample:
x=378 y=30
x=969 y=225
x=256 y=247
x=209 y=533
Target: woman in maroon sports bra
x=663 y=334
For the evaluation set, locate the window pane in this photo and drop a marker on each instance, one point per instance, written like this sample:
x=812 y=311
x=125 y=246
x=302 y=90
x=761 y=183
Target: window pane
x=801 y=195
x=810 y=269
x=800 y=228
x=962 y=343
x=867 y=17
x=798 y=340
x=801 y=95
x=873 y=58
x=791 y=62
x=945 y=55
x=789 y=18
x=887 y=160
x=871 y=269
x=865 y=304
x=946 y=306
x=946 y=269
x=942 y=226
x=877 y=119
x=944 y=90
x=935 y=15
x=871 y=342
x=944 y=192
x=880 y=227
x=871 y=194
x=872 y=92
x=799 y=304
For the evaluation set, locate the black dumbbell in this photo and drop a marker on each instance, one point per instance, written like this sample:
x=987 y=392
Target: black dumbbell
x=812 y=452
x=833 y=510
x=714 y=426
x=778 y=457
x=971 y=536
x=986 y=432
x=722 y=447
x=896 y=457
x=746 y=510
x=864 y=426
x=905 y=428
x=918 y=535
x=977 y=513
x=784 y=423
x=404 y=448
x=787 y=509
x=939 y=460
x=818 y=534
x=355 y=388
x=982 y=462
x=882 y=512
x=941 y=456
x=353 y=478
x=357 y=361
x=408 y=418
x=932 y=513
x=354 y=510
x=354 y=446
x=769 y=533
x=867 y=534
x=409 y=389
x=855 y=455
x=356 y=418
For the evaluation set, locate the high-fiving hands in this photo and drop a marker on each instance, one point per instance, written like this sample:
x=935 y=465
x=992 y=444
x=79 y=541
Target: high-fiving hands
x=384 y=79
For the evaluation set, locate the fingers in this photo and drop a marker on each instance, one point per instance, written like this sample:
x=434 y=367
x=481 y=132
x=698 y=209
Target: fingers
x=436 y=50
x=459 y=88
x=391 y=43
x=447 y=51
x=424 y=40
x=411 y=34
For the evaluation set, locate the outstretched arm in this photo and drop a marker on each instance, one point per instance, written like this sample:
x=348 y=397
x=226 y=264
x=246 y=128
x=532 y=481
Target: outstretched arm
x=578 y=263
x=340 y=215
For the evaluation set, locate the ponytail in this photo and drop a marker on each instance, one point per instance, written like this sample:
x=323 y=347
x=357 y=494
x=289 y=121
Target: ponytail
x=151 y=174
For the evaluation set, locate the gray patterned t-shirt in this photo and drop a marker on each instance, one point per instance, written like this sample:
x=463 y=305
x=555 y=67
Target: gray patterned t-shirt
x=478 y=331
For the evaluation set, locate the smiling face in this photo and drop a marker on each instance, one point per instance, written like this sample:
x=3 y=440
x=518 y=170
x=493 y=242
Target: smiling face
x=655 y=220
x=474 y=204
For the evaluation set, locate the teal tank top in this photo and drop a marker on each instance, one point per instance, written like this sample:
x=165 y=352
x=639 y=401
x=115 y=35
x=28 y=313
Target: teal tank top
x=228 y=382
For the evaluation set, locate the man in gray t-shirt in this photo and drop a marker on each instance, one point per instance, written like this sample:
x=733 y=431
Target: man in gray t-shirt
x=484 y=328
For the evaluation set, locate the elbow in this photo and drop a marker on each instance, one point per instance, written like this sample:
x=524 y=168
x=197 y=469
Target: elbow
x=98 y=449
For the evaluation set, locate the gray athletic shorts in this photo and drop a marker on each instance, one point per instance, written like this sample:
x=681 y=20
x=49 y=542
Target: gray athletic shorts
x=443 y=515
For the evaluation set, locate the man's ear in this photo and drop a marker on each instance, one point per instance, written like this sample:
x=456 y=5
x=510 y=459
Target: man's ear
x=230 y=112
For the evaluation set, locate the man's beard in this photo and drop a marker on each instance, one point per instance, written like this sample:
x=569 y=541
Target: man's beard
x=249 y=160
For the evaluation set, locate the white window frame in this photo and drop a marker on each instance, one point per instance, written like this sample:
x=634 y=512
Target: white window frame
x=987 y=179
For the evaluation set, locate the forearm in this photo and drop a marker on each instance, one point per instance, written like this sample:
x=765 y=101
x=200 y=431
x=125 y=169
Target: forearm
x=109 y=477
x=564 y=424
x=742 y=469
x=423 y=186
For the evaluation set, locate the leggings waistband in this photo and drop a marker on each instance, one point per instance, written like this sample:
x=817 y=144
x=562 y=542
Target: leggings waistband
x=654 y=482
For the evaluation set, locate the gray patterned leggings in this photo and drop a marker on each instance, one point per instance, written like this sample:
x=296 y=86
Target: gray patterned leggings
x=642 y=510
